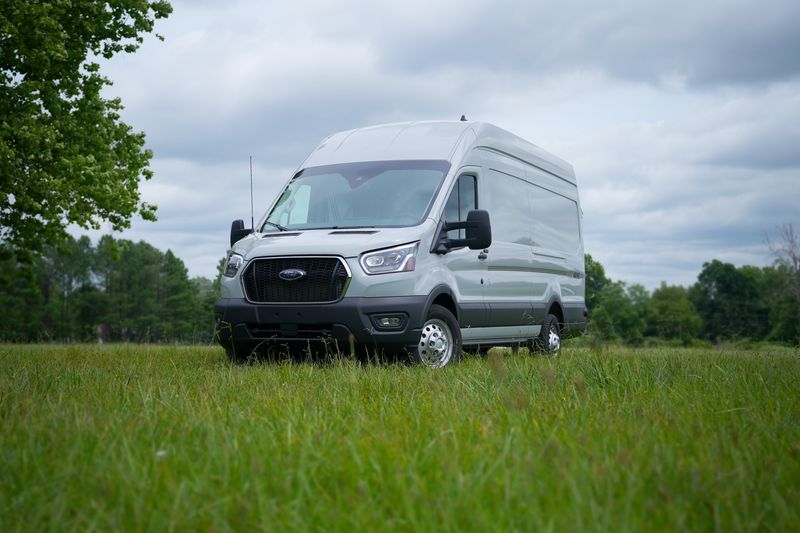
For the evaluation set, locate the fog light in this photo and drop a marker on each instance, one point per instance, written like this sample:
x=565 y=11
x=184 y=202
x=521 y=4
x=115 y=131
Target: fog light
x=396 y=321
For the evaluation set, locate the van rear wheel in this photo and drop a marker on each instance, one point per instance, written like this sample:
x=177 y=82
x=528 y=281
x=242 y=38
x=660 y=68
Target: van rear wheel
x=440 y=339
x=549 y=339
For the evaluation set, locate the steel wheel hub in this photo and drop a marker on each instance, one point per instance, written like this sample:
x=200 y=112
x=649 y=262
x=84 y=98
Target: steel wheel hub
x=435 y=344
x=553 y=341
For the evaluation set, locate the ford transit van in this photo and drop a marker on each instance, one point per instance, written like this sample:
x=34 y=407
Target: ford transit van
x=423 y=238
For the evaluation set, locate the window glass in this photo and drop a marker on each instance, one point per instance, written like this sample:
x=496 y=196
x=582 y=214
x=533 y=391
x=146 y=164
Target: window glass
x=462 y=200
x=299 y=214
x=451 y=213
x=511 y=214
x=525 y=213
x=466 y=195
x=367 y=194
x=555 y=221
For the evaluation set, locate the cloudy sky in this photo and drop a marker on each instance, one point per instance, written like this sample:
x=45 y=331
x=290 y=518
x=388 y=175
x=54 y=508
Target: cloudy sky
x=682 y=119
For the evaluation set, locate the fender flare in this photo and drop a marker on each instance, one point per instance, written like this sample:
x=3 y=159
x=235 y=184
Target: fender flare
x=437 y=291
x=555 y=300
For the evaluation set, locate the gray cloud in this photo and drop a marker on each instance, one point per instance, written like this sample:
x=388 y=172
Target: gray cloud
x=681 y=119
x=705 y=44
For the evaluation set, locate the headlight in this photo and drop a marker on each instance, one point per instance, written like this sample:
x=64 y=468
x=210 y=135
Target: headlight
x=397 y=259
x=234 y=264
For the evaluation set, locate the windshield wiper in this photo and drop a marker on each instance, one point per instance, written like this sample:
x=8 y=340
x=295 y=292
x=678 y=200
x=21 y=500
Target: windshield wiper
x=280 y=228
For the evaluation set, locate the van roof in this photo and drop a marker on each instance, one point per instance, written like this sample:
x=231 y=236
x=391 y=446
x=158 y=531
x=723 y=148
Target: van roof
x=430 y=140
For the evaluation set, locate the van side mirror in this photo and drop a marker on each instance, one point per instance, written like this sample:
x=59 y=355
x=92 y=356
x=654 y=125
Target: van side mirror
x=479 y=232
x=479 y=229
x=238 y=231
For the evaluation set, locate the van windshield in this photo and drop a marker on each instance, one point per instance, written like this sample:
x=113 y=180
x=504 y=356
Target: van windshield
x=358 y=195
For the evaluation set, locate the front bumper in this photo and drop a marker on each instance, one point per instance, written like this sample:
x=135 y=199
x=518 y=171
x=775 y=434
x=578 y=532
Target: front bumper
x=241 y=324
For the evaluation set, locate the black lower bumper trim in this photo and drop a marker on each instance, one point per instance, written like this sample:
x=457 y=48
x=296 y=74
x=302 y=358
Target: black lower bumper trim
x=241 y=323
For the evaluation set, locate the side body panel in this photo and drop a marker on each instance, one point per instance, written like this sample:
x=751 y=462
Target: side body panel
x=535 y=262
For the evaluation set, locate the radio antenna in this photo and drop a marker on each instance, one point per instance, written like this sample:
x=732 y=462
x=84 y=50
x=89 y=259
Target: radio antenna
x=252 y=218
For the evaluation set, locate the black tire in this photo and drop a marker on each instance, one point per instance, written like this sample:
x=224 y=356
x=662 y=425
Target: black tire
x=440 y=339
x=240 y=355
x=233 y=356
x=549 y=340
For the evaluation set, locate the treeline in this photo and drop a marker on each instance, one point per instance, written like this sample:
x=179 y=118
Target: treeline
x=727 y=303
x=124 y=291
x=115 y=291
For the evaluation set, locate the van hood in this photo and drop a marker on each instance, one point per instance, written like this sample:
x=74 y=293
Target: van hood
x=342 y=242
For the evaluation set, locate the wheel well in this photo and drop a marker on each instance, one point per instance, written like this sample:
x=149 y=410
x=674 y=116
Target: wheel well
x=555 y=309
x=447 y=302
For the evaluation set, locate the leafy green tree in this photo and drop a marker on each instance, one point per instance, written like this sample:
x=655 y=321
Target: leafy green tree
x=620 y=312
x=91 y=307
x=67 y=269
x=203 y=328
x=730 y=301
x=672 y=315
x=596 y=281
x=784 y=308
x=21 y=301
x=138 y=275
x=218 y=280
x=114 y=291
x=178 y=301
x=65 y=155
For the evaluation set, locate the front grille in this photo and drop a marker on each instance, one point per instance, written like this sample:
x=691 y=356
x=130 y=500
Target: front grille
x=325 y=280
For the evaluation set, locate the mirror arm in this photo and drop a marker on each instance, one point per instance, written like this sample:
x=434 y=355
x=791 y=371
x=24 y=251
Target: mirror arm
x=443 y=245
x=449 y=226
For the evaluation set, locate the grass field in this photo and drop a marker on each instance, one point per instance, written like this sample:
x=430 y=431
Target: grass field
x=162 y=438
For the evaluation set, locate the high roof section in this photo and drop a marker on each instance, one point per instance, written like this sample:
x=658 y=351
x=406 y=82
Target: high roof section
x=429 y=140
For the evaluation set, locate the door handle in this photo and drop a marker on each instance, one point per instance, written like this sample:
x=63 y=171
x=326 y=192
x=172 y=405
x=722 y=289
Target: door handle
x=483 y=255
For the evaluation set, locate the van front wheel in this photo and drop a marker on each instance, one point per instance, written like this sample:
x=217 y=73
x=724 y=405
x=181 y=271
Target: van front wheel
x=440 y=339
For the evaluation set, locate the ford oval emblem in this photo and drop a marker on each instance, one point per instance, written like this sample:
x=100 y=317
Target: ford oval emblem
x=292 y=274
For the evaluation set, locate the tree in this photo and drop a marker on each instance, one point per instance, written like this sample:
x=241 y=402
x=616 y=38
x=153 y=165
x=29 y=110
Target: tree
x=21 y=301
x=66 y=270
x=117 y=290
x=620 y=312
x=783 y=285
x=787 y=249
x=672 y=315
x=65 y=155
x=596 y=281
x=730 y=301
x=178 y=300
x=138 y=275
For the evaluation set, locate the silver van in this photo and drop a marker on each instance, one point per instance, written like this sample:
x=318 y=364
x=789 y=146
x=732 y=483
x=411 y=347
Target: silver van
x=423 y=238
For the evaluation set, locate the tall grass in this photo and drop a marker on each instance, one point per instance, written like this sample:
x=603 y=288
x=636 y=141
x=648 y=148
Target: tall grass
x=164 y=438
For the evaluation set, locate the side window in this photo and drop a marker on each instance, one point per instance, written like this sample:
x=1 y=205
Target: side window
x=510 y=208
x=555 y=222
x=451 y=211
x=462 y=200
x=467 y=199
